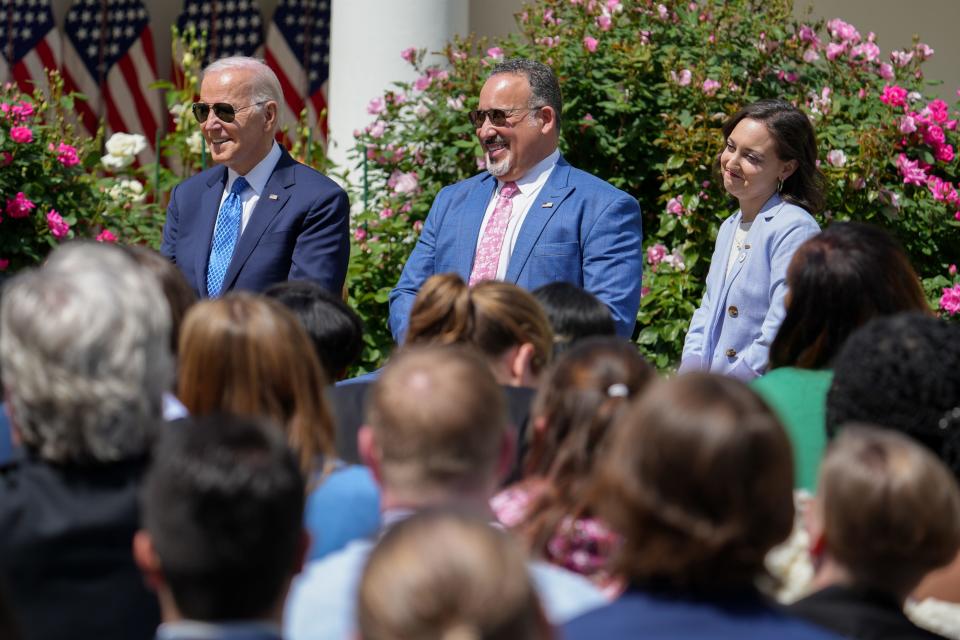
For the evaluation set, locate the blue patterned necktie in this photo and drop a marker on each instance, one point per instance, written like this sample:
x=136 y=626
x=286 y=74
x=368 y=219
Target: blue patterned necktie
x=225 y=237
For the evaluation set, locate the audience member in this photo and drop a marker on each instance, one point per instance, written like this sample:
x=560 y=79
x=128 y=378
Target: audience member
x=698 y=480
x=334 y=328
x=769 y=165
x=574 y=314
x=887 y=511
x=437 y=436
x=500 y=320
x=579 y=399
x=837 y=281
x=248 y=355
x=448 y=576
x=222 y=532
x=84 y=348
x=902 y=372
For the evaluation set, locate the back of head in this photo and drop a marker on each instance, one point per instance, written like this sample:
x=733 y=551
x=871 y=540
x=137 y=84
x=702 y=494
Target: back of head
x=223 y=506
x=335 y=329
x=890 y=509
x=439 y=420
x=901 y=372
x=795 y=139
x=447 y=576
x=698 y=479
x=492 y=316
x=838 y=280
x=84 y=348
x=248 y=355
x=180 y=297
x=574 y=314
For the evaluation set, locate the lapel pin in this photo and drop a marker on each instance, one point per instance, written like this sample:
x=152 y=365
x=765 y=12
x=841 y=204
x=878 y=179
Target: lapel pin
x=546 y=205
x=274 y=196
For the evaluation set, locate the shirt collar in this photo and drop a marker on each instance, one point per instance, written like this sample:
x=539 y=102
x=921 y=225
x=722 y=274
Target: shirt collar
x=236 y=630
x=538 y=174
x=258 y=176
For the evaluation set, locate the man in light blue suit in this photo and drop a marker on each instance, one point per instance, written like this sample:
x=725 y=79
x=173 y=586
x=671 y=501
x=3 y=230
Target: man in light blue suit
x=260 y=217
x=531 y=218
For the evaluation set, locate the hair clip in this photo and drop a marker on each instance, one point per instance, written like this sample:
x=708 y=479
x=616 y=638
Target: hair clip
x=618 y=390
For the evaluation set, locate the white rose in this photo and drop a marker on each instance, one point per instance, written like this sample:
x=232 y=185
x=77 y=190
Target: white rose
x=178 y=110
x=126 y=190
x=195 y=142
x=122 y=148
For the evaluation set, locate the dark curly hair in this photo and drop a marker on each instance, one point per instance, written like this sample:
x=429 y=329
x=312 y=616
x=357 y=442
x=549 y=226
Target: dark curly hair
x=901 y=372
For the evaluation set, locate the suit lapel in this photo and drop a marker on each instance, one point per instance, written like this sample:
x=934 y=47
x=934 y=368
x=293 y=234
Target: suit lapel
x=548 y=203
x=263 y=214
x=209 y=209
x=470 y=220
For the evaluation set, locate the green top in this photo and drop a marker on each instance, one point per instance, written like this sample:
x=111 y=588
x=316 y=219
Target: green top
x=799 y=398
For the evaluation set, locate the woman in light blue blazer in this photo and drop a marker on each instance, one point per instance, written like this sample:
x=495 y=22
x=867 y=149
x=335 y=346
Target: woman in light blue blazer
x=768 y=164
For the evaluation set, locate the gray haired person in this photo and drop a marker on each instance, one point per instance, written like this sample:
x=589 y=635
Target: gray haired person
x=84 y=348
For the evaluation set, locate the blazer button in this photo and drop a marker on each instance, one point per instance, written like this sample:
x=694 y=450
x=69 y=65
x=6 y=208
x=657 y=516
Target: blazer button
x=733 y=311
x=731 y=353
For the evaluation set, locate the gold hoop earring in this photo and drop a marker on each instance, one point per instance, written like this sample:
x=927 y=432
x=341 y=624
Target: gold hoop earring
x=779 y=185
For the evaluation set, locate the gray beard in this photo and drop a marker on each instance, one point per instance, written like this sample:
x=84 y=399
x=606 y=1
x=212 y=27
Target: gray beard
x=500 y=168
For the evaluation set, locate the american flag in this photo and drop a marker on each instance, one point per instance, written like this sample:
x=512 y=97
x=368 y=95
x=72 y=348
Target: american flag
x=109 y=57
x=233 y=27
x=298 y=50
x=30 y=42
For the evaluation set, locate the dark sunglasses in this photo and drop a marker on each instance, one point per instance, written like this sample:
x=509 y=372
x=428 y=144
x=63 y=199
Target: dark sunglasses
x=223 y=111
x=498 y=117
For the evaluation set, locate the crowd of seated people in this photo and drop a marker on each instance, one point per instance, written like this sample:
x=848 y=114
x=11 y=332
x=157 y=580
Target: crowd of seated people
x=181 y=469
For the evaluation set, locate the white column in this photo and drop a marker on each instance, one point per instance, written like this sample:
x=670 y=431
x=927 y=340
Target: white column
x=366 y=38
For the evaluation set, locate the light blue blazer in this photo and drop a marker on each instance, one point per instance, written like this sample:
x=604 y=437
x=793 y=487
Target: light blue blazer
x=580 y=229
x=741 y=311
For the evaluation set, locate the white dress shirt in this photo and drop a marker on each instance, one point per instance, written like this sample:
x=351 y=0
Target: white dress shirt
x=257 y=179
x=529 y=185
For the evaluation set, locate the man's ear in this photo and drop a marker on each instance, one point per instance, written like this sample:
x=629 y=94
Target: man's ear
x=548 y=119
x=147 y=560
x=370 y=452
x=521 y=365
x=271 y=115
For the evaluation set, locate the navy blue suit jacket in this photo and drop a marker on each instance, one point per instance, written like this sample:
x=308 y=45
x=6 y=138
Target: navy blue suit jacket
x=580 y=229
x=300 y=234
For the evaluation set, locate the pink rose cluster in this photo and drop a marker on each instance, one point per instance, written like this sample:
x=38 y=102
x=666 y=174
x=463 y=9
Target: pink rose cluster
x=58 y=227
x=658 y=254
x=950 y=300
x=18 y=112
x=433 y=74
x=19 y=206
x=928 y=126
x=404 y=182
x=66 y=154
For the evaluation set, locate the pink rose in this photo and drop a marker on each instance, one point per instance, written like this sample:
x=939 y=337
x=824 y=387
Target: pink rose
x=404 y=182
x=836 y=157
x=662 y=12
x=923 y=51
x=423 y=82
x=710 y=86
x=843 y=31
x=386 y=213
x=656 y=254
x=21 y=112
x=894 y=96
x=376 y=106
x=885 y=71
x=377 y=129
x=950 y=300
x=418 y=226
x=911 y=171
x=4 y=263
x=945 y=153
x=66 y=155
x=590 y=43
x=808 y=34
x=683 y=78
x=939 y=110
x=495 y=52
x=934 y=136
x=614 y=6
x=604 y=22
x=952 y=270
x=21 y=135
x=58 y=228
x=409 y=54
x=7 y=159
x=901 y=58
x=835 y=50
x=106 y=236
x=908 y=124
x=868 y=51
x=19 y=206
x=675 y=207
x=811 y=55
x=360 y=234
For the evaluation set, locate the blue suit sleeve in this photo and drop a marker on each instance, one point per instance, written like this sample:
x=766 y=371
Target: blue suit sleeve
x=420 y=265
x=168 y=247
x=613 y=261
x=322 y=250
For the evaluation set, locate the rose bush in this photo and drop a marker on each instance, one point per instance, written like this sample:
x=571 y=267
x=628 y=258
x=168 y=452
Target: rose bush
x=646 y=88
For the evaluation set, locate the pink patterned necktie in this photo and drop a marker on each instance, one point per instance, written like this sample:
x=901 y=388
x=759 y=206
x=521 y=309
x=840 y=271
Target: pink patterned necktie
x=487 y=260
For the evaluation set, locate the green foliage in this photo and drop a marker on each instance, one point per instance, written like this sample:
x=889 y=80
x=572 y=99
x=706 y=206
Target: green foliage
x=646 y=88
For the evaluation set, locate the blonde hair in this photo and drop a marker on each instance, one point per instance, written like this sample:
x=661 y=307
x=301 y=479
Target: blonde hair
x=492 y=316
x=248 y=355
x=891 y=509
x=448 y=576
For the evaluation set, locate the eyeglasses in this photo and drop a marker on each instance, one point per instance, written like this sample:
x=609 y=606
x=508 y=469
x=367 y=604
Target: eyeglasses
x=498 y=117
x=225 y=112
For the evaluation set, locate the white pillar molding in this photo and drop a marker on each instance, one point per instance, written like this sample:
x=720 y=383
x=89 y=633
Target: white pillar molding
x=366 y=38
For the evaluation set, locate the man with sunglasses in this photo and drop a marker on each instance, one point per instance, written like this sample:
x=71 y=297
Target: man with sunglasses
x=259 y=217
x=530 y=218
